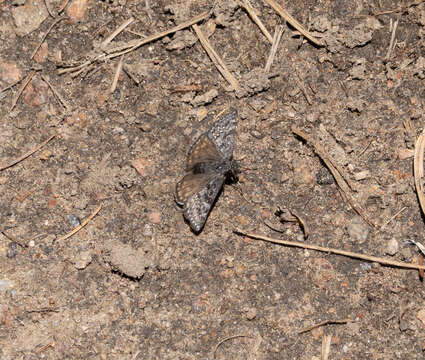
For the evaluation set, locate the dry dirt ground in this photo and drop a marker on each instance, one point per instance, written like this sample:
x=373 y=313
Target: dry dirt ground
x=135 y=282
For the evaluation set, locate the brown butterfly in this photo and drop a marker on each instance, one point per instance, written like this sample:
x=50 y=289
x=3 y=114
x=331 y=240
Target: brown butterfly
x=209 y=163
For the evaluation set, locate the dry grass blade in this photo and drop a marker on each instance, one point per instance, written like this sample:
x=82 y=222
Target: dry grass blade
x=326 y=347
x=21 y=89
x=276 y=40
x=116 y=32
x=288 y=17
x=134 y=44
x=45 y=35
x=215 y=58
x=116 y=76
x=56 y=93
x=227 y=339
x=391 y=46
x=29 y=153
x=256 y=19
x=83 y=223
x=350 y=254
x=418 y=169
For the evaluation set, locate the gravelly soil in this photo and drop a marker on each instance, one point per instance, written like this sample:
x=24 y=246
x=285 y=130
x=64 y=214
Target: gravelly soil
x=135 y=282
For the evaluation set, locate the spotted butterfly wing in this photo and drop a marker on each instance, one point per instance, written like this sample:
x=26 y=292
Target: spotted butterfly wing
x=198 y=206
x=223 y=133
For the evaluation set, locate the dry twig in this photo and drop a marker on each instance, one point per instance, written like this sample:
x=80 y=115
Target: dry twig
x=56 y=93
x=288 y=17
x=21 y=89
x=116 y=32
x=83 y=223
x=390 y=219
x=215 y=58
x=134 y=44
x=46 y=3
x=326 y=322
x=14 y=239
x=350 y=254
x=29 y=153
x=10 y=86
x=227 y=339
x=337 y=172
x=64 y=5
x=400 y=9
x=45 y=35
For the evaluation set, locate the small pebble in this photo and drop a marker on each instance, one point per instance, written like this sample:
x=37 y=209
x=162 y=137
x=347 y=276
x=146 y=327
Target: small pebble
x=155 y=217
x=362 y=175
x=251 y=314
x=403 y=325
x=83 y=260
x=421 y=316
x=12 y=250
x=324 y=177
x=4 y=285
x=357 y=229
x=147 y=231
x=392 y=247
x=73 y=220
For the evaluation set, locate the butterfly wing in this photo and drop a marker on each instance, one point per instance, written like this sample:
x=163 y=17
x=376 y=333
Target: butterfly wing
x=191 y=184
x=198 y=206
x=222 y=133
x=202 y=151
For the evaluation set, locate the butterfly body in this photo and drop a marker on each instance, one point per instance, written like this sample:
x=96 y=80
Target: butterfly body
x=209 y=163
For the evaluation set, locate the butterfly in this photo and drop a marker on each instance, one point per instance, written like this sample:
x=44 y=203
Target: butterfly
x=209 y=163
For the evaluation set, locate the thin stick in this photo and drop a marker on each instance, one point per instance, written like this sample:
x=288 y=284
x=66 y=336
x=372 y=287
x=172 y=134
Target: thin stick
x=75 y=68
x=304 y=91
x=227 y=339
x=56 y=93
x=256 y=19
x=64 y=5
x=83 y=223
x=288 y=17
x=390 y=219
x=336 y=170
x=10 y=86
x=21 y=89
x=276 y=40
x=418 y=169
x=326 y=322
x=350 y=254
x=45 y=35
x=215 y=58
x=29 y=153
x=391 y=46
x=116 y=76
x=46 y=2
x=116 y=32
x=14 y=239
x=132 y=45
